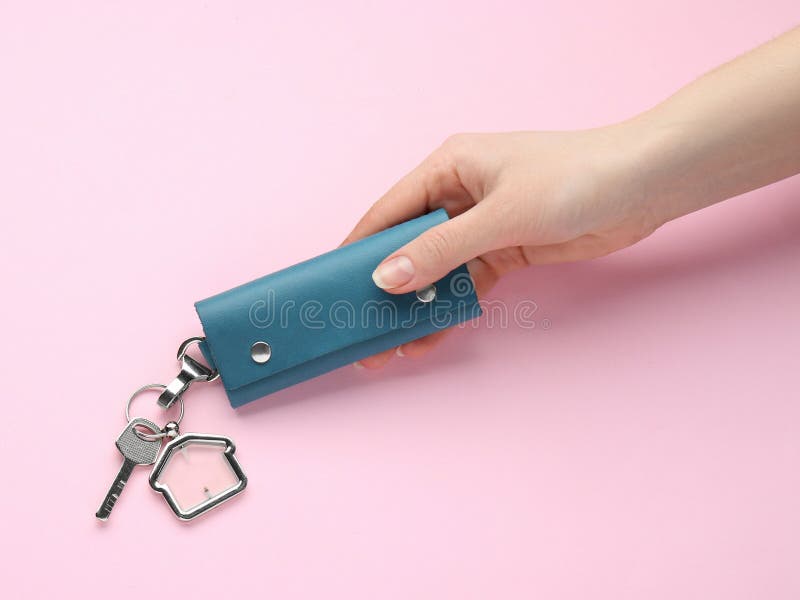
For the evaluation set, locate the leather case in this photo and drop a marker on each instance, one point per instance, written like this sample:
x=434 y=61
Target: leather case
x=324 y=313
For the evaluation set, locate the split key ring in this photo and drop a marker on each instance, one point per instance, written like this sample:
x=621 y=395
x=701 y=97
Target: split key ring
x=169 y=430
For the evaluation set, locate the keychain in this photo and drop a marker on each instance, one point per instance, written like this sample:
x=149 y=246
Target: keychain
x=276 y=331
x=175 y=475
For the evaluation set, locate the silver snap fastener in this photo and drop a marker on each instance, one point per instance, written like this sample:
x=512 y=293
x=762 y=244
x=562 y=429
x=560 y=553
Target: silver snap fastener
x=427 y=294
x=260 y=352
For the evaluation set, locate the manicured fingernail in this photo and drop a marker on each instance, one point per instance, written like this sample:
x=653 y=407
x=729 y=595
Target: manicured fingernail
x=399 y=351
x=358 y=365
x=393 y=273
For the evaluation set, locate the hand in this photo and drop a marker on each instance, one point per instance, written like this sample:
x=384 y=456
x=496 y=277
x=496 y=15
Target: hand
x=519 y=199
x=515 y=199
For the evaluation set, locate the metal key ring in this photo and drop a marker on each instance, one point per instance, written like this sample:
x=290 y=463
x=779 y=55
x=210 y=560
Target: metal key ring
x=152 y=437
x=144 y=388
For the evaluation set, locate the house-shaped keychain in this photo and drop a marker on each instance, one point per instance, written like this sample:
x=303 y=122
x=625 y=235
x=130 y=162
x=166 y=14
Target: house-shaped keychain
x=197 y=472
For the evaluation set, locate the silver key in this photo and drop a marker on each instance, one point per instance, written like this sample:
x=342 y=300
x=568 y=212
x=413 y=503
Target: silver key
x=136 y=451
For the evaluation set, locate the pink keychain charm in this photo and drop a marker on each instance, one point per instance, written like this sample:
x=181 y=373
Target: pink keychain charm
x=197 y=472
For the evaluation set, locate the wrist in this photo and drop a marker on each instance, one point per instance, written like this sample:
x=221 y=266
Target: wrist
x=666 y=166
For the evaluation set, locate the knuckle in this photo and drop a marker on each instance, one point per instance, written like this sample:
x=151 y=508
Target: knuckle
x=458 y=148
x=454 y=142
x=436 y=245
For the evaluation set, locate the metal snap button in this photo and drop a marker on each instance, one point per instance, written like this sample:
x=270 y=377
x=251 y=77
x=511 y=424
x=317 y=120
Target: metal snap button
x=427 y=294
x=260 y=352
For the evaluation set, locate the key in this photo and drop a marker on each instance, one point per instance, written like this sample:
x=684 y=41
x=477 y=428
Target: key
x=136 y=451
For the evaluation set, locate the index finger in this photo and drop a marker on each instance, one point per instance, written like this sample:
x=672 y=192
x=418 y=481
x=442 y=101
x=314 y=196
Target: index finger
x=423 y=189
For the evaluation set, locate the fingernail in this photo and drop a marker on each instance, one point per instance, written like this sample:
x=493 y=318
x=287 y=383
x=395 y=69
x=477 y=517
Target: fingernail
x=399 y=351
x=358 y=365
x=393 y=273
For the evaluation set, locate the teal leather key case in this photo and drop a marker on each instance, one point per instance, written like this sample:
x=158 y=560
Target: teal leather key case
x=325 y=313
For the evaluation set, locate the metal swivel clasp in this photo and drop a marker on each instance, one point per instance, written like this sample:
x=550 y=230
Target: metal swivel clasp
x=191 y=371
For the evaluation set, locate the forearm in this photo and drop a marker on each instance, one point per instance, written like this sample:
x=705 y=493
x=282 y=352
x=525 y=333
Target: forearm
x=735 y=129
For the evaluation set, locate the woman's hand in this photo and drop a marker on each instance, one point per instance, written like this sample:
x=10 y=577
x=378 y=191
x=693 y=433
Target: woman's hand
x=540 y=197
x=515 y=199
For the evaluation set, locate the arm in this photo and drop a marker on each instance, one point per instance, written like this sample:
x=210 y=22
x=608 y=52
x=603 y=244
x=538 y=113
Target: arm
x=540 y=197
x=733 y=130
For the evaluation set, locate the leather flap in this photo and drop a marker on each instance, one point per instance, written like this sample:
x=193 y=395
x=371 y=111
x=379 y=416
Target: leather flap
x=321 y=306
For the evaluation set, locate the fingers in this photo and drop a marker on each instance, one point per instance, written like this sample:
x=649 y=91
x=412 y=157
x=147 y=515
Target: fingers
x=376 y=361
x=421 y=346
x=441 y=249
x=484 y=277
x=425 y=188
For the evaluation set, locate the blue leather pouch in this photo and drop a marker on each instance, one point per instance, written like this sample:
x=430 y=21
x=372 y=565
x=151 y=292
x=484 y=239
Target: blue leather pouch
x=324 y=313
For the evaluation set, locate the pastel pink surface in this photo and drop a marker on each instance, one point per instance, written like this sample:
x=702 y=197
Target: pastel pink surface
x=641 y=441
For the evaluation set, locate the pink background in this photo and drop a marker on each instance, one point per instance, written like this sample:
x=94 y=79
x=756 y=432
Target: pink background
x=645 y=445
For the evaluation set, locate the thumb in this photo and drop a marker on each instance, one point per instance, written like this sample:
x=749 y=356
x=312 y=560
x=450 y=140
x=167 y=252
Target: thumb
x=435 y=253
